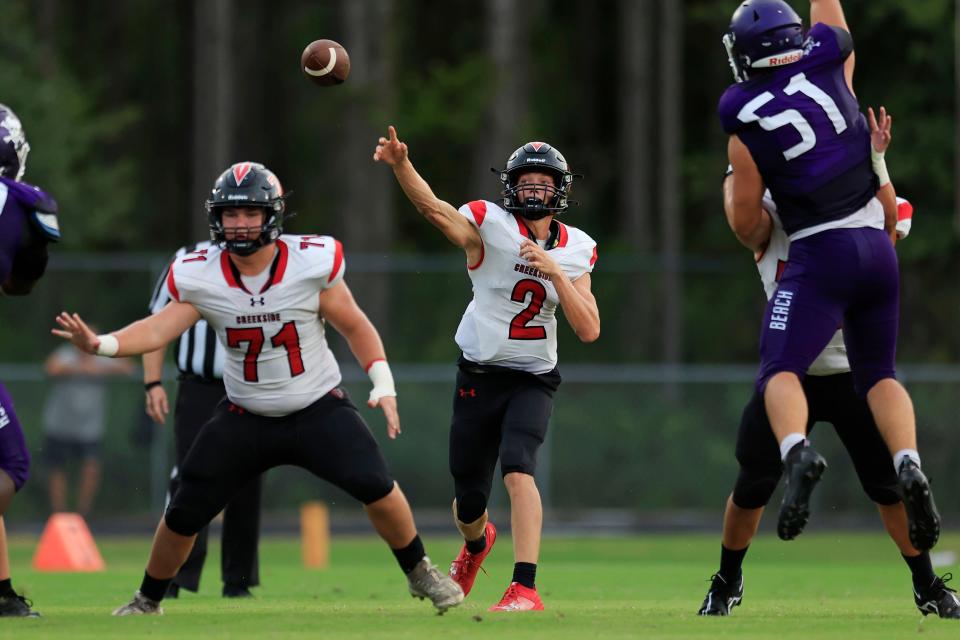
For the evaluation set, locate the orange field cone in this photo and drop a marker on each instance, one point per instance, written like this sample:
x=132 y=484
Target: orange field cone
x=66 y=545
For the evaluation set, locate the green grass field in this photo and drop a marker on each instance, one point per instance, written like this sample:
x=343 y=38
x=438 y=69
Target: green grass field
x=819 y=586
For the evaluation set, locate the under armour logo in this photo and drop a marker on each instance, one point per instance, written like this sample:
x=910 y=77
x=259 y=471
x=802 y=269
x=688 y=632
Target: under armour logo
x=254 y=302
x=464 y=393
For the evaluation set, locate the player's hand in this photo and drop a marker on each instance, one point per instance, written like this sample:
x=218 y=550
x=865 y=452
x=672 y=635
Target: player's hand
x=880 y=130
x=157 y=404
x=536 y=256
x=74 y=329
x=389 y=406
x=390 y=150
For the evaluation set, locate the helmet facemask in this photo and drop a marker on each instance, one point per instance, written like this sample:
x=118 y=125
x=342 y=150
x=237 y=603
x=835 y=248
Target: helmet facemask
x=14 y=147
x=256 y=237
x=538 y=200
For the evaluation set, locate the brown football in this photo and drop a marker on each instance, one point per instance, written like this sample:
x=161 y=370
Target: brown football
x=325 y=62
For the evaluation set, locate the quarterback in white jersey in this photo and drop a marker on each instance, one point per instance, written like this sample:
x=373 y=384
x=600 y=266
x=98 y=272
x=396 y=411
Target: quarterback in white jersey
x=268 y=296
x=511 y=320
x=523 y=264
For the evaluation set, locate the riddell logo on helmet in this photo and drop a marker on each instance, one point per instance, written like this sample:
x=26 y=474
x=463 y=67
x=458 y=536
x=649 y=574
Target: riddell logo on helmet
x=790 y=58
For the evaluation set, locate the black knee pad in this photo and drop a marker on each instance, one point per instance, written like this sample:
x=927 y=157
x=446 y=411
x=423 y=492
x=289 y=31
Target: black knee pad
x=754 y=486
x=185 y=522
x=471 y=505
x=883 y=494
x=370 y=487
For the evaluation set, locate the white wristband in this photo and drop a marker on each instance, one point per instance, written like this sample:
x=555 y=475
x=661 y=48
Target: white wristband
x=880 y=167
x=109 y=345
x=382 y=380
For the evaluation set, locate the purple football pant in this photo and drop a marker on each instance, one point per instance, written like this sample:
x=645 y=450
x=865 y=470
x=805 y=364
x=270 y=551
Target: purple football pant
x=14 y=457
x=840 y=277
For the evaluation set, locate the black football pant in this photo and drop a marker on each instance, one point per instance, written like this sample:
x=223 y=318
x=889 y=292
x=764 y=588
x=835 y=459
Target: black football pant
x=239 y=565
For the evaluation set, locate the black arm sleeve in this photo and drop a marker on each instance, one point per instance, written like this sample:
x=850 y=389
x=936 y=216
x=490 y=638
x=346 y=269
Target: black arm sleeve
x=844 y=41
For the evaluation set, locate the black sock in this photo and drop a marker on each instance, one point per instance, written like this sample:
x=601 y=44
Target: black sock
x=525 y=573
x=731 y=562
x=478 y=545
x=154 y=588
x=922 y=570
x=6 y=588
x=411 y=555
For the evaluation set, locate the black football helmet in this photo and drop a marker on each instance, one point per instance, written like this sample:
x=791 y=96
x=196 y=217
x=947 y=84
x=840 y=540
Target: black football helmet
x=536 y=156
x=13 y=145
x=247 y=184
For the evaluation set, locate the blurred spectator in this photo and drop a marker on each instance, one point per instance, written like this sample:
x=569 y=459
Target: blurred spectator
x=74 y=420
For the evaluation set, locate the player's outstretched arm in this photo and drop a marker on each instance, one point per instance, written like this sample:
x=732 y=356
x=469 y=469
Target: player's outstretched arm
x=439 y=213
x=576 y=299
x=830 y=12
x=339 y=308
x=148 y=334
x=743 y=199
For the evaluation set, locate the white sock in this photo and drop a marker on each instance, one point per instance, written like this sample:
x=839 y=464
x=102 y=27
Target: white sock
x=789 y=442
x=905 y=453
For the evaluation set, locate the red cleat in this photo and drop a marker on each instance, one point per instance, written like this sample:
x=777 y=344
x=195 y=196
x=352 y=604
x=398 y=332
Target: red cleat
x=519 y=598
x=464 y=569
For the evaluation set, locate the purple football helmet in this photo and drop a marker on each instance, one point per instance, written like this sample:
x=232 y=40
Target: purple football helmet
x=763 y=34
x=13 y=145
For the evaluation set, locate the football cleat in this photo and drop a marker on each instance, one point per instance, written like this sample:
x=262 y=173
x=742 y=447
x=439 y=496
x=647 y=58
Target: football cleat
x=804 y=468
x=519 y=598
x=464 y=569
x=16 y=606
x=921 y=511
x=236 y=591
x=938 y=598
x=722 y=596
x=426 y=581
x=140 y=605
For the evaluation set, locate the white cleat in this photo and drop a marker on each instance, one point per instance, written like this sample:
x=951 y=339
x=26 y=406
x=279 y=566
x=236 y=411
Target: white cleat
x=426 y=581
x=139 y=606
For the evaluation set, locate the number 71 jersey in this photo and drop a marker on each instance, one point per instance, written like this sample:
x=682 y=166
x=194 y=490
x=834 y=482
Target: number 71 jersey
x=511 y=321
x=277 y=359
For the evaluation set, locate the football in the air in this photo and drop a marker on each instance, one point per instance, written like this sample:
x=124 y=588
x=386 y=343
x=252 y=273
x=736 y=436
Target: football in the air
x=325 y=62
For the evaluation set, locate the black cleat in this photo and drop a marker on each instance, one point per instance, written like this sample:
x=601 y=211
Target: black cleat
x=804 y=468
x=938 y=598
x=16 y=606
x=722 y=596
x=918 y=501
x=236 y=591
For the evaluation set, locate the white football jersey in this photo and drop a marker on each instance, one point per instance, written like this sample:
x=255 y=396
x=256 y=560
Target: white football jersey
x=278 y=360
x=511 y=321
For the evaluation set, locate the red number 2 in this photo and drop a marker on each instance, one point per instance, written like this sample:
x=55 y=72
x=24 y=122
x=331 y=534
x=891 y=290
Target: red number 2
x=518 y=326
x=287 y=337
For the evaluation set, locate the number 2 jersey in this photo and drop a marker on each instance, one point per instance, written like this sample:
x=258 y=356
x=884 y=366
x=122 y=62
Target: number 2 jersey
x=805 y=132
x=278 y=360
x=511 y=321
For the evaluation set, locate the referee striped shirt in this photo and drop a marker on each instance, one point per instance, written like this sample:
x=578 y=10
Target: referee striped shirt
x=199 y=352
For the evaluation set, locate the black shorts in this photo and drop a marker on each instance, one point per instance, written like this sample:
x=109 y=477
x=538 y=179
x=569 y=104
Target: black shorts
x=58 y=451
x=830 y=399
x=327 y=438
x=497 y=413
